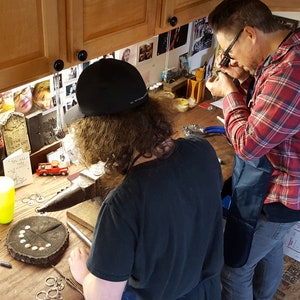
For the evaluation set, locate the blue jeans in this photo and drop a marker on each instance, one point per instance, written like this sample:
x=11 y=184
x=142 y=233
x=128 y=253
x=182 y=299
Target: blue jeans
x=260 y=277
x=128 y=294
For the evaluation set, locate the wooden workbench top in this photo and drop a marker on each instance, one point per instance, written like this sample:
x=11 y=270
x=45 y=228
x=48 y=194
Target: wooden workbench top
x=24 y=281
x=208 y=117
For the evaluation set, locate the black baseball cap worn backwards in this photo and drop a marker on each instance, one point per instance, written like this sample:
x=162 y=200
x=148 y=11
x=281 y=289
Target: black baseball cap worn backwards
x=107 y=86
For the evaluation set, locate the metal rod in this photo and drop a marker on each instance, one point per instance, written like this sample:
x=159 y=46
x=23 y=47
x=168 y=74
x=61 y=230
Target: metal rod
x=80 y=234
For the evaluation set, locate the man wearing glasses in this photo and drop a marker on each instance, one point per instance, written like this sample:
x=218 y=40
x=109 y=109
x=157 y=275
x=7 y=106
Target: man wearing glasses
x=262 y=120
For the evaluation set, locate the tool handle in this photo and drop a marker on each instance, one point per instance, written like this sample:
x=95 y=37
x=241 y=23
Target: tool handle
x=5 y=264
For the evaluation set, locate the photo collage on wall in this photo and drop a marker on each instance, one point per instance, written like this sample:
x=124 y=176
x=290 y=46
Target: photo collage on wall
x=28 y=98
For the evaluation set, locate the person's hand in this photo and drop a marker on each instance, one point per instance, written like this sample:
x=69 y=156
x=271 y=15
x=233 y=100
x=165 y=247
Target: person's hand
x=221 y=85
x=233 y=69
x=77 y=262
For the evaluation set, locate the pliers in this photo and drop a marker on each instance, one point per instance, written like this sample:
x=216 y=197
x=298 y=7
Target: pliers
x=198 y=129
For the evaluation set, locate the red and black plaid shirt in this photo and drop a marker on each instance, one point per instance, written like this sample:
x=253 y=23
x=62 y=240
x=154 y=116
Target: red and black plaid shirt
x=272 y=125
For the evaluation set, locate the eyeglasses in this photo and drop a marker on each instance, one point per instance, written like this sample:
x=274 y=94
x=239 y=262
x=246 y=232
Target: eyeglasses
x=226 y=59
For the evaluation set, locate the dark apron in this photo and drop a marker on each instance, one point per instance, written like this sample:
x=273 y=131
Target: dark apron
x=250 y=182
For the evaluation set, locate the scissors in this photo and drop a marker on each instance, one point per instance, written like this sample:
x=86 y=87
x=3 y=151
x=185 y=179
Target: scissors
x=69 y=281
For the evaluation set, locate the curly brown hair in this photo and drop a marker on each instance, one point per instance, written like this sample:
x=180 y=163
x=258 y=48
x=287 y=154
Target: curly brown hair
x=117 y=138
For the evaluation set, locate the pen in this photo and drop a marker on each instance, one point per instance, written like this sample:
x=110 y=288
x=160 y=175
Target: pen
x=5 y=264
x=80 y=234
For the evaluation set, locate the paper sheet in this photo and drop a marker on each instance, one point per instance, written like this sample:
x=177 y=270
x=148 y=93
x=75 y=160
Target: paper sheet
x=291 y=246
x=218 y=103
x=17 y=166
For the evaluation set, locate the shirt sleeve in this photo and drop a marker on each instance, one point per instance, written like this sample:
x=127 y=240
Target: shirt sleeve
x=112 y=252
x=274 y=112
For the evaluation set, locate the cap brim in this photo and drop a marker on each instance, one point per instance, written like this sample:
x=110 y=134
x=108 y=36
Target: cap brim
x=73 y=114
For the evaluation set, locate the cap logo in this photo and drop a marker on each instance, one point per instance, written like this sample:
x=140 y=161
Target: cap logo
x=138 y=99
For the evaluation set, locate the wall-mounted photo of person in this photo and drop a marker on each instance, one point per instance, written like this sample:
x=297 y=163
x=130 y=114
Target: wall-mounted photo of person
x=72 y=73
x=23 y=100
x=173 y=39
x=29 y=99
x=145 y=51
x=127 y=54
x=183 y=69
x=42 y=98
x=71 y=89
x=60 y=82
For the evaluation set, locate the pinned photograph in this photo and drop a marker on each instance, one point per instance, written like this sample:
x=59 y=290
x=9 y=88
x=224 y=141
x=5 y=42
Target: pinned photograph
x=173 y=39
x=128 y=54
x=6 y=102
x=145 y=51
x=201 y=36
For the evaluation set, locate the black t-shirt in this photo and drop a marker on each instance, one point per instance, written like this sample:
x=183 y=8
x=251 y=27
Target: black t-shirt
x=162 y=227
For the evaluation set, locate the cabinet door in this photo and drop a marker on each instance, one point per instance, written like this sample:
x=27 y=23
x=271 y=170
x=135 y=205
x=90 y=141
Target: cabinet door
x=102 y=26
x=29 y=40
x=279 y=5
x=185 y=12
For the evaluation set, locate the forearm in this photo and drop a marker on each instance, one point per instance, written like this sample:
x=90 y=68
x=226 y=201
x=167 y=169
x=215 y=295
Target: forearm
x=98 y=289
x=236 y=115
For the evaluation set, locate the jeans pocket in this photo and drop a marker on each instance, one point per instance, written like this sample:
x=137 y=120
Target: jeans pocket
x=281 y=230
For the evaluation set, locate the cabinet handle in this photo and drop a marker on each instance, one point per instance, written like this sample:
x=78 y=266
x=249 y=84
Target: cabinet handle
x=173 y=21
x=82 y=55
x=58 y=65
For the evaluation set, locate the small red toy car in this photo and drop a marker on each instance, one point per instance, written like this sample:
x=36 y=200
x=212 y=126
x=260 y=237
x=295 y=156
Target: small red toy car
x=52 y=169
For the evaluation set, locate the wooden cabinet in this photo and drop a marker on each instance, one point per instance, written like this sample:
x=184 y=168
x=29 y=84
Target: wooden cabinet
x=100 y=27
x=35 y=33
x=29 y=33
x=279 y=5
x=185 y=12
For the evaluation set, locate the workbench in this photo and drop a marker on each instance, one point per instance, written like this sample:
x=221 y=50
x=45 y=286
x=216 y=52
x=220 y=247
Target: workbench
x=24 y=281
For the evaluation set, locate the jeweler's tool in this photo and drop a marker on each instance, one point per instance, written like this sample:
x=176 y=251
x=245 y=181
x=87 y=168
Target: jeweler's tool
x=69 y=281
x=198 y=129
x=80 y=234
